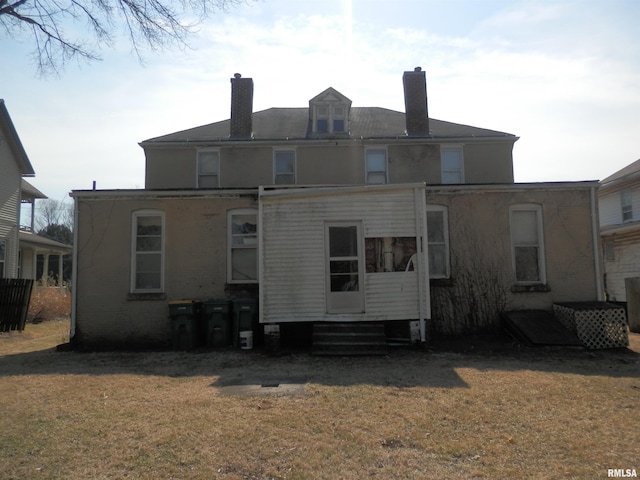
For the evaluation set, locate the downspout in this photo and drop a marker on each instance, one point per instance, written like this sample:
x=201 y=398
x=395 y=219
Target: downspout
x=595 y=227
x=261 y=282
x=74 y=272
x=424 y=296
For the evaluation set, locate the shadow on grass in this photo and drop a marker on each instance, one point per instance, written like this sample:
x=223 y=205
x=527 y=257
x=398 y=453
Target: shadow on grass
x=437 y=367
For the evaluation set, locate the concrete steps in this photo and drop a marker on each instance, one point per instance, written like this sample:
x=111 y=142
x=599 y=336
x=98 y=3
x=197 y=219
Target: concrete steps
x=348 y=339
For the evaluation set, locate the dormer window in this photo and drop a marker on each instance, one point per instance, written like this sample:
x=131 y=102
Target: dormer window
x=329 y=113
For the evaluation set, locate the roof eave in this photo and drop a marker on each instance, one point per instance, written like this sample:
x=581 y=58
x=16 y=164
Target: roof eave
x=26 y=169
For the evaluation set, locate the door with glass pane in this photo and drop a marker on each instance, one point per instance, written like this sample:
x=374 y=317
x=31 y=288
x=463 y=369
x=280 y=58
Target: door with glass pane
x=344 y=268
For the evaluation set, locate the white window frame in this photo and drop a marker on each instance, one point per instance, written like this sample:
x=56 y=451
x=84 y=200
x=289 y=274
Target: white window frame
x=445 y=225
x=199 y=175
x=134 y=252
x=457 y=171
x=367 y=172
x=249 y=244
x=275 y=170
x=330 y=116
x=626 y=205
x=542 y=274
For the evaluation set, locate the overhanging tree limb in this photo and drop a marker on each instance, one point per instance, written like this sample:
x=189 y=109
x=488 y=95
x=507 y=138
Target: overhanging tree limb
x=152 y=23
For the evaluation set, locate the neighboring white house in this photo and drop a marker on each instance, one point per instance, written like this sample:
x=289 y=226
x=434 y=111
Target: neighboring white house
x=619 y=203
x=19 y=245
x=14 y=165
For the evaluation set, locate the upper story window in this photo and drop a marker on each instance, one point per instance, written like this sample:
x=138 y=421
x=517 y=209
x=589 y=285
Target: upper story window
x=376 y=165
x=527 y=243
x=147 y=251
x=627 y=205
x=208 y=169
x=452 y=164
x=329 y=113
x=242 y=259
x=284 y=167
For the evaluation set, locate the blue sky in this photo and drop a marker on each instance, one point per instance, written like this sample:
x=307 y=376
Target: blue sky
x=562 y=75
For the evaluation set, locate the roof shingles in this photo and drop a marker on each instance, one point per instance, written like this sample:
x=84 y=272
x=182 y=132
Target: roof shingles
x=293 y=124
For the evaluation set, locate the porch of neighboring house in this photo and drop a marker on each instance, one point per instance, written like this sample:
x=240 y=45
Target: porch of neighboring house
x=44 y=260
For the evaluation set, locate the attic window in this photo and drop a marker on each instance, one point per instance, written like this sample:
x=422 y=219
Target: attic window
x=329 y=113
x=330 y=119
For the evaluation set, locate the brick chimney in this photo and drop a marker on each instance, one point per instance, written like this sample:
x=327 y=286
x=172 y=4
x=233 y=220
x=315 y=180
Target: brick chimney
x=241 y=107
x=415 y=103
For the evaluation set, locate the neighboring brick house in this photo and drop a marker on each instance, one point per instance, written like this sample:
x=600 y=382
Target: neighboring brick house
x=331 y=213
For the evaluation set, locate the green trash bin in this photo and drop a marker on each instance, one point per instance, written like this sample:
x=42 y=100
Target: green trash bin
x=217 y=323
x=185 y=324
x=245 y=319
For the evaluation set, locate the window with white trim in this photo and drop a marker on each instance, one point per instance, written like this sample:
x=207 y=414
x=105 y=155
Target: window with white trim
x=376 y=165
x=527 y=243
x=438 y=241
x=451 y=162
x=242 y=263
x=147 y=251
x=3 y=250
x=208 y=169
x=626 y=203
x=330 y=118
x=284 y=167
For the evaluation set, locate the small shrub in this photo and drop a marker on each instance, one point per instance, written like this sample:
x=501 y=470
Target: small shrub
x=49 y=303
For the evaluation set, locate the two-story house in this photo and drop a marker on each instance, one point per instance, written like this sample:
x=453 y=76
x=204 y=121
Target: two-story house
x=619 y=197
x=19 y=245
x=331 y=213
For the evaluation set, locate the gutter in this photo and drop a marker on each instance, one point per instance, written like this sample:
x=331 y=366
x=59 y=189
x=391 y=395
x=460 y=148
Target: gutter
x=74 y=273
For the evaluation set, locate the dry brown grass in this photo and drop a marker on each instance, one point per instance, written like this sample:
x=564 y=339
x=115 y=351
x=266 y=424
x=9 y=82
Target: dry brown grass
x=49 y=303
x=543 y=414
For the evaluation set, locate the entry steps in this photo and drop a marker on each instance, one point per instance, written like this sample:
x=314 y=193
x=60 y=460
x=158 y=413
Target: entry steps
x=347 y=339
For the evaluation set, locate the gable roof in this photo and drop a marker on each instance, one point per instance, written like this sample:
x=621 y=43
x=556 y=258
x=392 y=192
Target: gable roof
x=14 y=142
x=293 y=124
x=627 y=171
x=30 y=192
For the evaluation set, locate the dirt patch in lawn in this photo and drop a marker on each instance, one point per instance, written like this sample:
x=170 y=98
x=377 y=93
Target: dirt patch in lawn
x=484 y=410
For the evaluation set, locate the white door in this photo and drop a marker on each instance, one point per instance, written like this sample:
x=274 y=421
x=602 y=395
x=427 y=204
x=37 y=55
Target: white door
x=344 y=267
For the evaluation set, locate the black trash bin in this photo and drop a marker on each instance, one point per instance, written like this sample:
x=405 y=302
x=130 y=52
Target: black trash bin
x=245 y=320
x=185 y=324
x=217 y=323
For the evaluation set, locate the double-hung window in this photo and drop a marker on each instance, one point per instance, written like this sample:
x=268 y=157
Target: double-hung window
x=284 y=167
x=147 y=251
x=330 y=118
x=452 y=161
x=627 y=205
x=438 y=241
x=527 y=243
x=208 y=169
x=242 y=264
x=3 y=253
x=376 y=165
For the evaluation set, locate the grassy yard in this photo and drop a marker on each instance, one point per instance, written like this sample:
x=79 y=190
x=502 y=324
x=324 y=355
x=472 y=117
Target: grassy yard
x=519 y=413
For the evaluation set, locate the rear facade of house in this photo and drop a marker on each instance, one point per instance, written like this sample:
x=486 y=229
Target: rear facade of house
x=330 y=213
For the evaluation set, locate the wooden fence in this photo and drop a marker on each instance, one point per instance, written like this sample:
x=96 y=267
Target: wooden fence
x=14 y=303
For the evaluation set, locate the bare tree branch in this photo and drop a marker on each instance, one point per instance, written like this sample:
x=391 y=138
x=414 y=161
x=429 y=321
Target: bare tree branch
x=154 y=24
